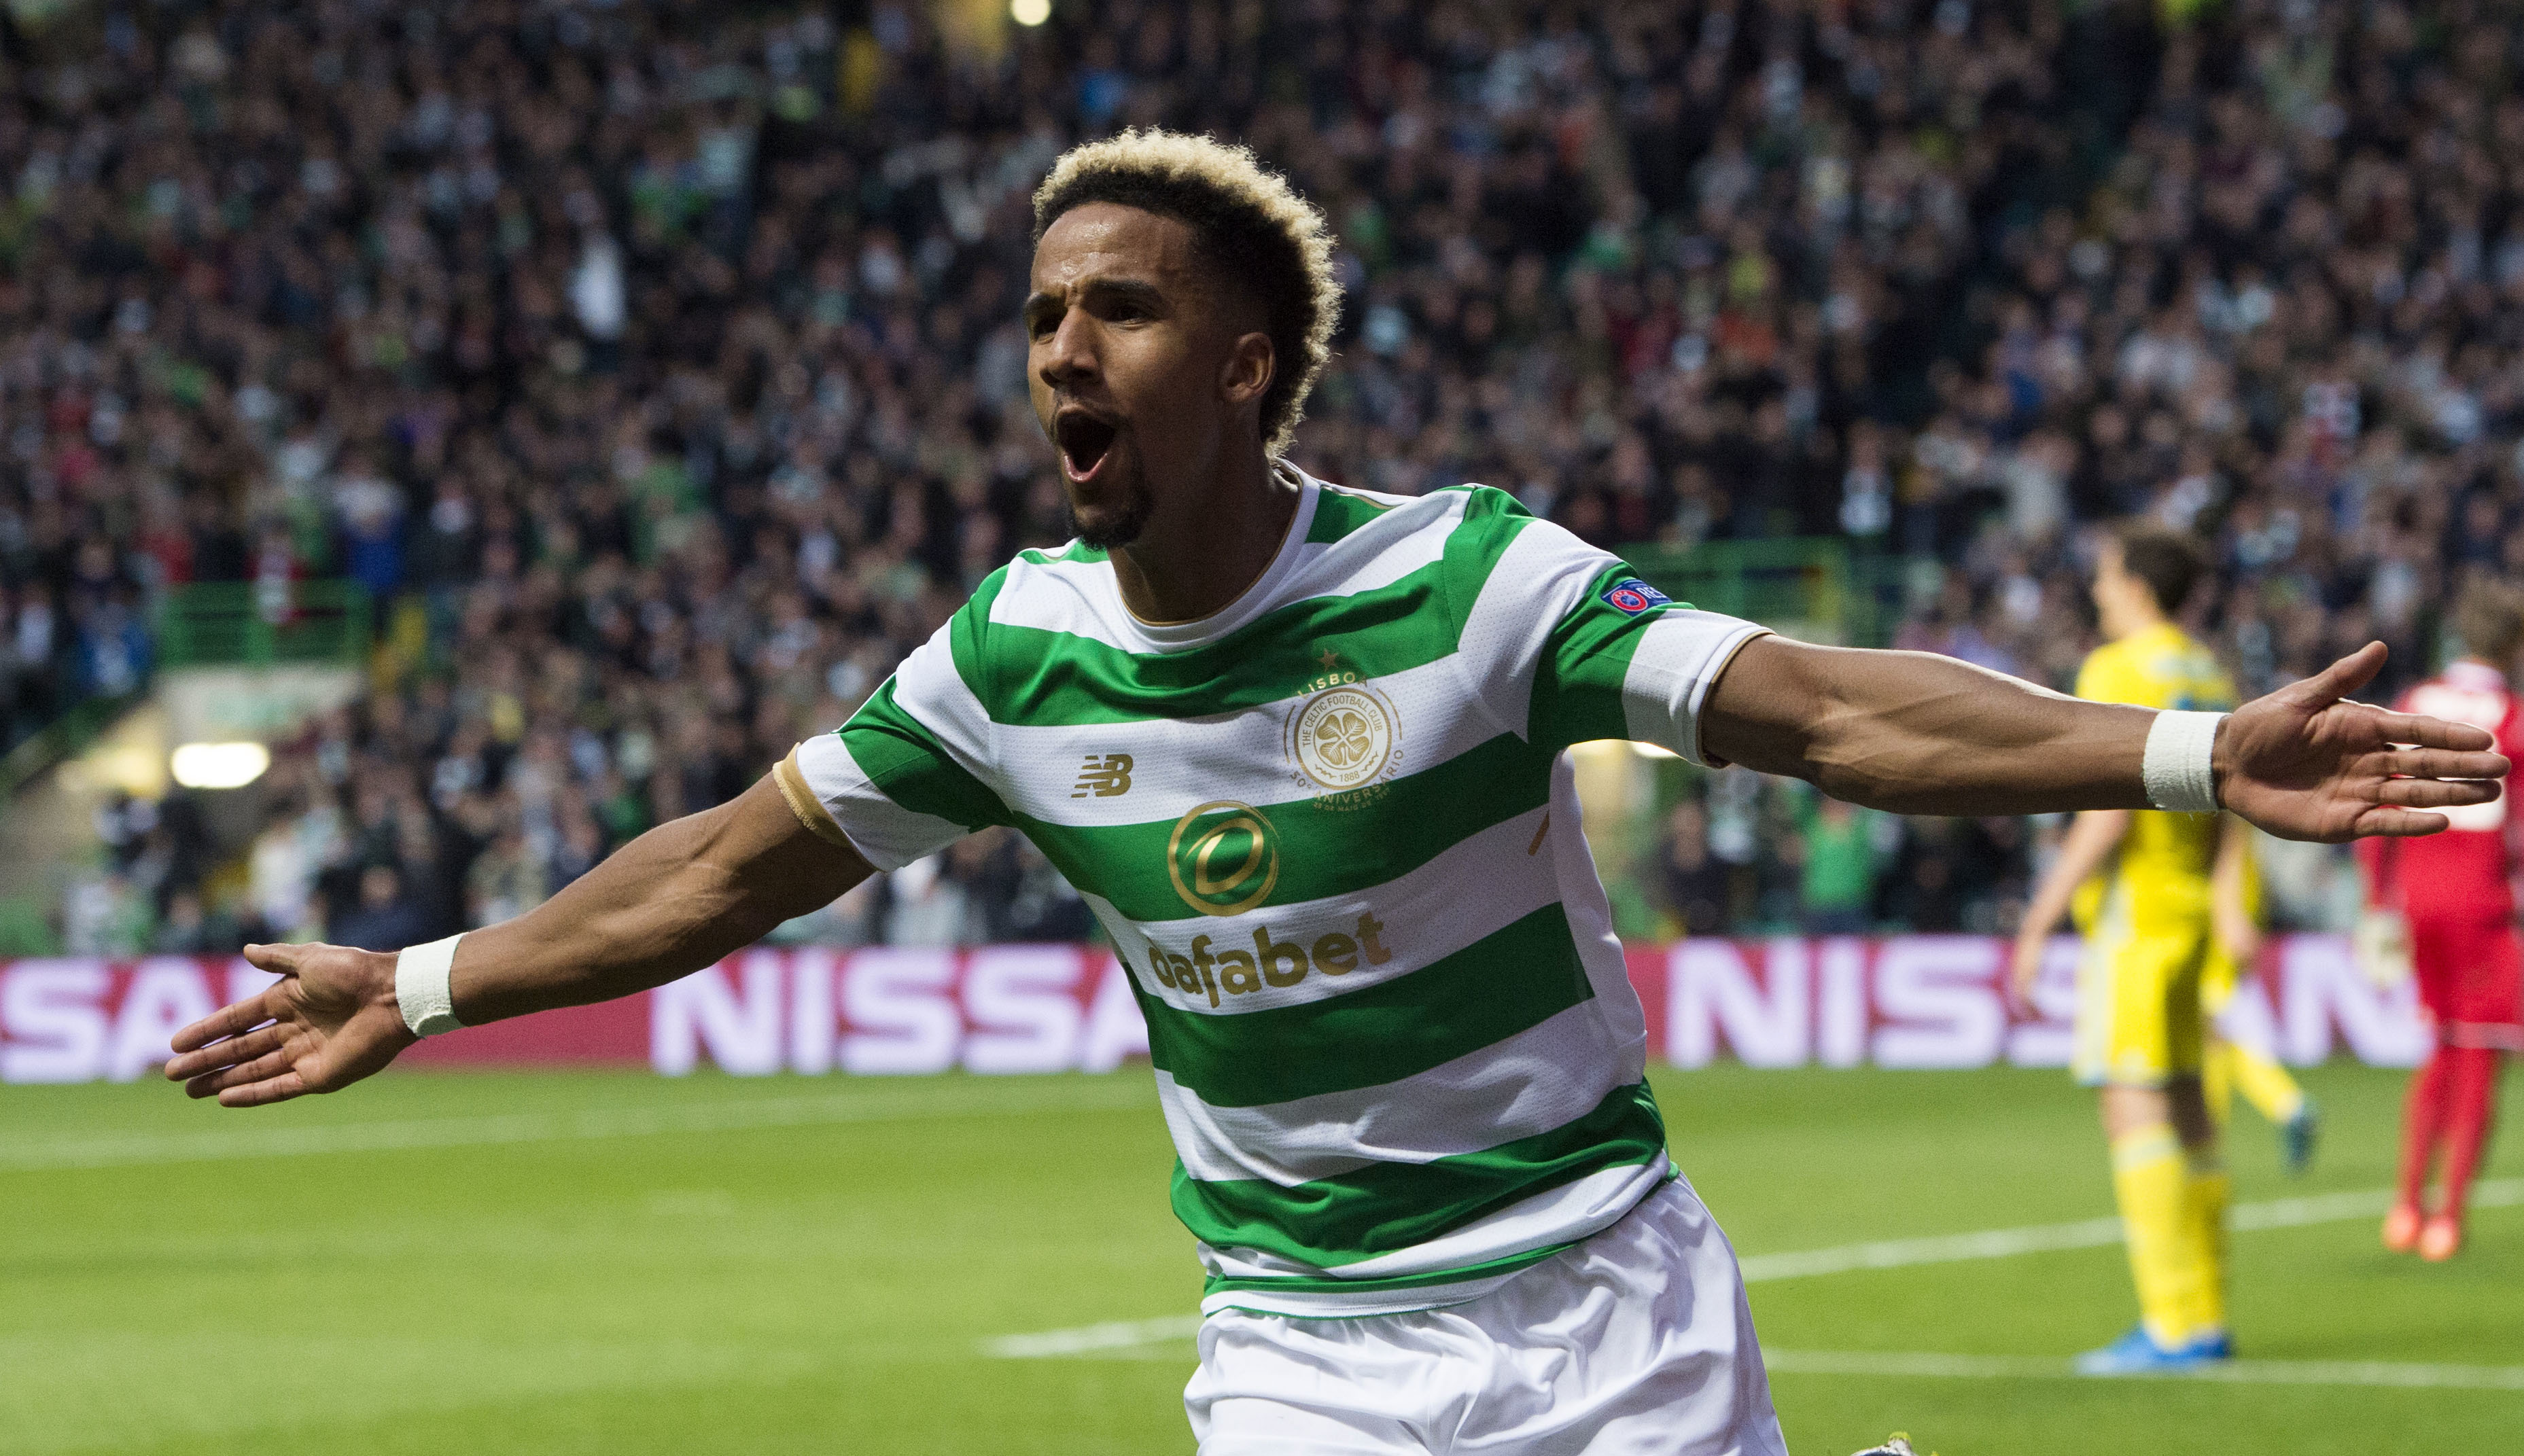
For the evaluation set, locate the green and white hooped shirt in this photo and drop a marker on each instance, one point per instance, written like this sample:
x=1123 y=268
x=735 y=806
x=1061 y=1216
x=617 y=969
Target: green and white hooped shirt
x=1332 y=834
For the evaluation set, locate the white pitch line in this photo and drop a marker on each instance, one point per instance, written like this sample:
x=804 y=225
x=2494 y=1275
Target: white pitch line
x=2000 y=1243
x=1123 y=1336
x=1164 y=1337
x=1093 y=1339
x=112 y=1150
x=2390 y=1373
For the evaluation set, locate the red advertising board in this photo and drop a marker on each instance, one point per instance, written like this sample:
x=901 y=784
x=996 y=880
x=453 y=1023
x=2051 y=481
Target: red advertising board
x=1923 y=1001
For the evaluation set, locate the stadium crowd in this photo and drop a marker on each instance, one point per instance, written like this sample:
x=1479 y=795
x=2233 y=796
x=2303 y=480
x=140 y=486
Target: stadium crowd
x=657 y=371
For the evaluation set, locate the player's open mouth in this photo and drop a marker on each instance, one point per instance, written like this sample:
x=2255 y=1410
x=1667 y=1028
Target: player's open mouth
x=1083 y=441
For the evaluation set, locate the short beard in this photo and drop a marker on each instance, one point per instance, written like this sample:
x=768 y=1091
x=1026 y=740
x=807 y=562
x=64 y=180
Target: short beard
x=1121 y=529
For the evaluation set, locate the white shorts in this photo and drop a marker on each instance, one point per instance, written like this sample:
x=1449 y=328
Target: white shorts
x=1637 y=1343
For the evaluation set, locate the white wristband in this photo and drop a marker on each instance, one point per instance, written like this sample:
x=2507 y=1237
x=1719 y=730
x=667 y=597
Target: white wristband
x=2175 y=768
x=422 y=988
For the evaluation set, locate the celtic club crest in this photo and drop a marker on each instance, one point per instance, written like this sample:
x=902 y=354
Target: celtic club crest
x=1342 y=736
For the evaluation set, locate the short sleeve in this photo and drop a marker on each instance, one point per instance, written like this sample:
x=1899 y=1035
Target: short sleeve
x=910 y=773
x=1568 y=645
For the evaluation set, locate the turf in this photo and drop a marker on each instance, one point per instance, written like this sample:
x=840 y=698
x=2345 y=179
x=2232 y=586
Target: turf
x=700 y=1281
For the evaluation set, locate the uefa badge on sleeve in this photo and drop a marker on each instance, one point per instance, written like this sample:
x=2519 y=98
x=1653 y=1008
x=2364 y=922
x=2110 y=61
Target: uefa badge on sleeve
x=1631 y=596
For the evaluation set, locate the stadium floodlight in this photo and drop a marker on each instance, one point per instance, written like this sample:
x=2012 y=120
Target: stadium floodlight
x=219 y=765
x=1028 y=13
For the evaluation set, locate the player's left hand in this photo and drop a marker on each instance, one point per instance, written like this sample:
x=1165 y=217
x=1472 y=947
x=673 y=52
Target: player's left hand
x=2305 y=763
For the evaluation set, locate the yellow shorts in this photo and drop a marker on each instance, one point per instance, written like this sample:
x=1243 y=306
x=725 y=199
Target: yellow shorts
x=2139 y=1019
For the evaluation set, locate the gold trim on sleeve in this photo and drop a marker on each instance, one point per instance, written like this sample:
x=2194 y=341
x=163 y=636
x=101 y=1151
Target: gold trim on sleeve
x=802 y=803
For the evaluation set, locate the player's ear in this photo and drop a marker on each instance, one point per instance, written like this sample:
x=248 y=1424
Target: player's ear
x=1246 y=374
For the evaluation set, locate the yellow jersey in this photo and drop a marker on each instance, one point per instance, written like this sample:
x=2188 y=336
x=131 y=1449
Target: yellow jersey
x=2163 y=862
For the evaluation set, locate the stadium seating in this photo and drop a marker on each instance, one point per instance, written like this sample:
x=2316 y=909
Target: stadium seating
x=654 y=370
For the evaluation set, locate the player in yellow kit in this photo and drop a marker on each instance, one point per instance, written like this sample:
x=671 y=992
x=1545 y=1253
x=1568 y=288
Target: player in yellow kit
x=2148 y=890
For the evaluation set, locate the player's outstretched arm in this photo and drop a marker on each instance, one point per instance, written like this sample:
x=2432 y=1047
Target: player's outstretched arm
x=666 y=904
x=1922 y=734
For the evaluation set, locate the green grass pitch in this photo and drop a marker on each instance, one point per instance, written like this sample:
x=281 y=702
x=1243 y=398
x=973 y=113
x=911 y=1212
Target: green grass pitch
x=449 y=1262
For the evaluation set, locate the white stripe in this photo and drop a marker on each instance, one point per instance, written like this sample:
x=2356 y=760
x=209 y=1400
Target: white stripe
x=1537 y=581
x=131 y=1149
x=1560 y=1215
x=1082 y=599
x=1678 y=661
x=1075 y=597
x=1425 y=913
x=1590 y=926
x=1409 y=536
x=885 y=833
x=928 y=687
x=1541 y=1078
x=2380 y=1372
x=1181 y=763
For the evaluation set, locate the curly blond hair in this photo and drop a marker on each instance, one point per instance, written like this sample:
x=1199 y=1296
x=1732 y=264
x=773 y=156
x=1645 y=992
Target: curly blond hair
x=1245 y=219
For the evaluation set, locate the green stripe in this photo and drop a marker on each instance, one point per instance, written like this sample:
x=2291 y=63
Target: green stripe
x=967 y=636
x=1387 y=1206
x=1504 y=983
x=1218 y=1284
x=1578 y=684
x=1324 y=851
x=910 y=767
x=1059 y=679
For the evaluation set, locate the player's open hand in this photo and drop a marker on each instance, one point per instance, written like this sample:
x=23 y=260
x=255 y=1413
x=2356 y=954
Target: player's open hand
x=330 y=1020
x=2305 y=763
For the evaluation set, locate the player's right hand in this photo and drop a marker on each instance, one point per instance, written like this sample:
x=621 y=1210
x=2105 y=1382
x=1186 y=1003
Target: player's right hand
x=330 y=1020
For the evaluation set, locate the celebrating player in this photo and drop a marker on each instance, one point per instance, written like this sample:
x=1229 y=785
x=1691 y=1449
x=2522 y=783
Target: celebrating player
x=1301 y=749
x=2454 y=900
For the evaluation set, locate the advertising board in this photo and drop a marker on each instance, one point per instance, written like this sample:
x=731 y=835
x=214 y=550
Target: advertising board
x=1908 y=1002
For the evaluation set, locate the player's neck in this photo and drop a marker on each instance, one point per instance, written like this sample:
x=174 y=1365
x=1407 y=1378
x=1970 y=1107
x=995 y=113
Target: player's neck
x=2134 y=622
x=1200 y=555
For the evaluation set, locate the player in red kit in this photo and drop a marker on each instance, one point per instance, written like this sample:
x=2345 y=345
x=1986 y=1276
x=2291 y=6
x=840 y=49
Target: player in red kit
x=2454 y=900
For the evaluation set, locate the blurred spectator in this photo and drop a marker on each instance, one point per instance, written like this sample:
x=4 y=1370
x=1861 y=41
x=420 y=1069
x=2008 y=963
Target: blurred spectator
x=1837 y=886
x=189 y=929
x=1698 y=887
x=384 y=917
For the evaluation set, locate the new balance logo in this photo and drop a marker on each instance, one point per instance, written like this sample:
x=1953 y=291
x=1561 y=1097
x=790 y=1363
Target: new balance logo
x=1105 y=776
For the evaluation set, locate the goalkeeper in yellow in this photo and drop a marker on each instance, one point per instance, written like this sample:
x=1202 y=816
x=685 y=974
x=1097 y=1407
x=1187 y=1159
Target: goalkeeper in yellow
x=2165 y=902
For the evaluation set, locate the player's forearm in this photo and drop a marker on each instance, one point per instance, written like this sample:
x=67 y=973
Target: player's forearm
x=1916 y=733
x=670 y=902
